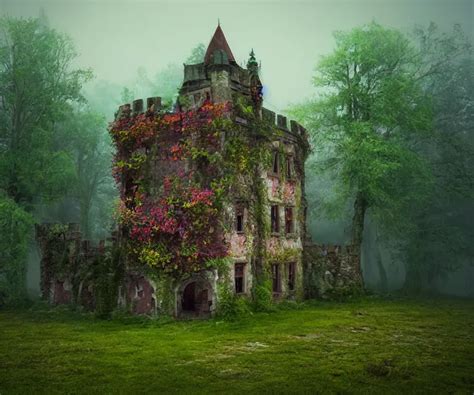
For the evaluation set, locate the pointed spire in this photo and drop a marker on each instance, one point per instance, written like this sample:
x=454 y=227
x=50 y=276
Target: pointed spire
x=252 y=62
x=218 y=41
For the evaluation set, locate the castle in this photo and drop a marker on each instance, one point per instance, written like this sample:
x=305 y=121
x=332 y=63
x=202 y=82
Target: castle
x=212 y=205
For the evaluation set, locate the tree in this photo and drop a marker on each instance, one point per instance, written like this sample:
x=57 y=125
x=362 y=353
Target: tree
x=92 y=153
x=165 y=83
x=37 y=87
x=370 y=105
x=197 y=54
x=443 y=239
x=15 y=225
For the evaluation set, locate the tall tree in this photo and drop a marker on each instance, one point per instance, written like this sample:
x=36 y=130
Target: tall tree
x=92 y=153
x=370 y=104
x=37 y=86
x=443 y=239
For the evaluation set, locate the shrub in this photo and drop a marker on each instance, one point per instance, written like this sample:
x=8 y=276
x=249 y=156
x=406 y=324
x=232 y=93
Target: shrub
x=262 y=297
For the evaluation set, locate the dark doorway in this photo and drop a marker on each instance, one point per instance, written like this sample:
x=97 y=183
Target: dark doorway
x=202 y=305
x=189 y=297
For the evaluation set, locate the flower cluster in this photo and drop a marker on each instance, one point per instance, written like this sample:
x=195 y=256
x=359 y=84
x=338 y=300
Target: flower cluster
x=174 y=225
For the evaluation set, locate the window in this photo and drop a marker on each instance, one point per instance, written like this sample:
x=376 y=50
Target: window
x=289 y=226
x=276 y=278
x=276 y=162
x=275 y=220
x=291 y=276
x=239 y=219
x=289 y=167
x=239 y=277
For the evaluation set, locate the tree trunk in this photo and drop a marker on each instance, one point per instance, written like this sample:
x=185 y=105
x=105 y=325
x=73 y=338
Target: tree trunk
x=360 y=207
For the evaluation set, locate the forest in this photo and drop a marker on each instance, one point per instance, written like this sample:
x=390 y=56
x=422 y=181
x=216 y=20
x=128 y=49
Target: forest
x=389 y=113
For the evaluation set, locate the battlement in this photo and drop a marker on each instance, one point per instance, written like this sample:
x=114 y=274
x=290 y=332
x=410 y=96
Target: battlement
x=153 y=106
x=281 y=122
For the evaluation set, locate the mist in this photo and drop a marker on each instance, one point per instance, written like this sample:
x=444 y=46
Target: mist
x=135 y=49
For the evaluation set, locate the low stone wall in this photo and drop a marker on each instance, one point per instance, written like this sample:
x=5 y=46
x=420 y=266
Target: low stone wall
x=331 y=271
x=72 y=268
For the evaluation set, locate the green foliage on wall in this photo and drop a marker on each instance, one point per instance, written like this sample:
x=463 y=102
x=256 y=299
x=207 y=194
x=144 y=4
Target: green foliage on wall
x=16 y=228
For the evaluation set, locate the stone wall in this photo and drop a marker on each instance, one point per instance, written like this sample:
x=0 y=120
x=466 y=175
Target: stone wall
x=73 y=271
x=331 y=271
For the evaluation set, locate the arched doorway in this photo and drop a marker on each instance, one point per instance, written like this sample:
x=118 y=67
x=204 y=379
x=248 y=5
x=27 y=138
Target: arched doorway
x=189 y=298
x=195 y=298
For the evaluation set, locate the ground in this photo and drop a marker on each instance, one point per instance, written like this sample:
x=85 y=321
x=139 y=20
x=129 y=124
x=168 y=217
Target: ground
x=371 y=345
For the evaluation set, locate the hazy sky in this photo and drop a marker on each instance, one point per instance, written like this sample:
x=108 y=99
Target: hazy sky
x=114 y=38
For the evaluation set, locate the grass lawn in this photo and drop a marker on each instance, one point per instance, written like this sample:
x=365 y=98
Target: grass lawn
x=371 y=345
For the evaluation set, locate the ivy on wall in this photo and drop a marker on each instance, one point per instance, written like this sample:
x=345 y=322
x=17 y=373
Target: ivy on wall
x=200 y=160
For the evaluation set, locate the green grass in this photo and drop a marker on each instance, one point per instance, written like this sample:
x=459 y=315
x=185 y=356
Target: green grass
x=373 y=345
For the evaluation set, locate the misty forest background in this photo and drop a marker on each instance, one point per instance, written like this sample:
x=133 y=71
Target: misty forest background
x=391 y=119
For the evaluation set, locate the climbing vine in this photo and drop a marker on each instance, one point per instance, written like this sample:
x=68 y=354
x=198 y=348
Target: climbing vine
x=175 y=172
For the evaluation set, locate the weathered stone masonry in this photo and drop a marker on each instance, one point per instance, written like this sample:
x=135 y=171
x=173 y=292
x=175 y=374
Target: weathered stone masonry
x=264 y=221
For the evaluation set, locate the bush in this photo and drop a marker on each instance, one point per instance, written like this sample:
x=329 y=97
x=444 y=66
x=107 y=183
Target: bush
x=262 y=297
x=230 y=305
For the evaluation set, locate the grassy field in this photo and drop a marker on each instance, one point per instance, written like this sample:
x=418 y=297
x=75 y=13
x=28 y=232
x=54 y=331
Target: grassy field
x=372 y=345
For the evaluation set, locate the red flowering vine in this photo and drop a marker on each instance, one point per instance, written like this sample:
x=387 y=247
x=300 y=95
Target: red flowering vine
x=173 y=224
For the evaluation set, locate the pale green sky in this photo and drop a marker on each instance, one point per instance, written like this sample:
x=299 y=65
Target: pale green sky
x=114 y=38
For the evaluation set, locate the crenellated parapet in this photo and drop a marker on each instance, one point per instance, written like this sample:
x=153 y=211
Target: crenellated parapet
x=281 y=122
x=151 y=105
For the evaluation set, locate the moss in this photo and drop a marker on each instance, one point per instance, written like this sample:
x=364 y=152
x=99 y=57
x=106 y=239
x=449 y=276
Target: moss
x=283 y=255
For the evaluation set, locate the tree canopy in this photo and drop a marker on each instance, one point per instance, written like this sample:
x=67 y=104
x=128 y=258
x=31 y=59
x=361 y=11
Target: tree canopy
x=373 y=123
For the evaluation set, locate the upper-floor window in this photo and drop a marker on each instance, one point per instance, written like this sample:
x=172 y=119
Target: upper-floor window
x=239 y=218
x=276 y=162
x=289 y=167
x=275 y=219
x=289 y=221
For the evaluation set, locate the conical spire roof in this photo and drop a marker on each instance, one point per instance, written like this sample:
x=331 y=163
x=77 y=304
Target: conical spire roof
x=218 y=41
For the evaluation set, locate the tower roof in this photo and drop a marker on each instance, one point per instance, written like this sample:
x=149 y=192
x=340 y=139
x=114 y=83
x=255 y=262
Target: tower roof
x=218 y=41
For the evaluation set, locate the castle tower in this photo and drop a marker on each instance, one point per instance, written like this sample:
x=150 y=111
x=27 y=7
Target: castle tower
x=218 y=78
x=260 y=222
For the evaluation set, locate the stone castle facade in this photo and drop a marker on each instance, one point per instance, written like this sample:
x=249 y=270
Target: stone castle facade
x=264 y=218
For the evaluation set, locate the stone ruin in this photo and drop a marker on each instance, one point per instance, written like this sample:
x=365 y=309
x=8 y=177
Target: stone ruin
x=73 y=271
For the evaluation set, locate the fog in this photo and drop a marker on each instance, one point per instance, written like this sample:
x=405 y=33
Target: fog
x=116 y=39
